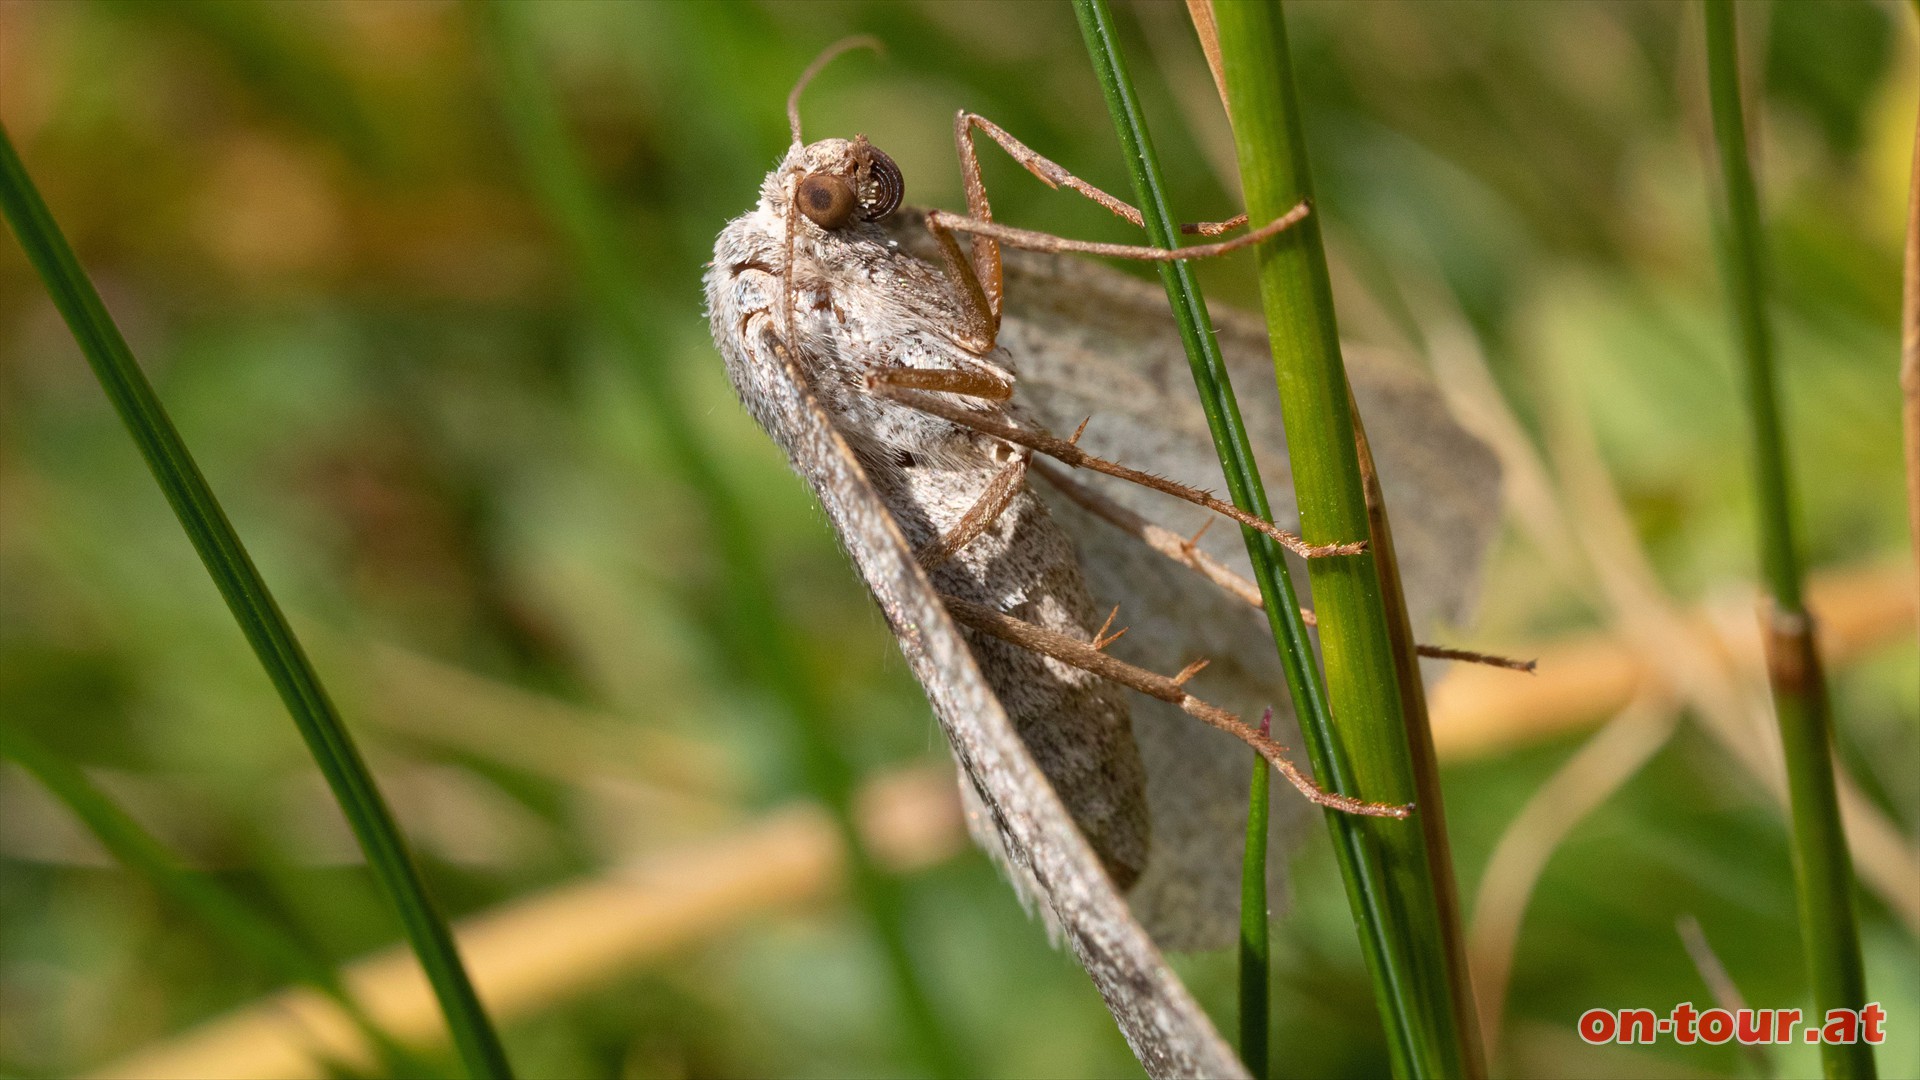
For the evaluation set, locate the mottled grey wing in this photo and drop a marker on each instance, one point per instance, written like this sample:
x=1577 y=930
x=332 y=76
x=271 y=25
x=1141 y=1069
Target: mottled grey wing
x=1088 y=341
x=1166 y=1028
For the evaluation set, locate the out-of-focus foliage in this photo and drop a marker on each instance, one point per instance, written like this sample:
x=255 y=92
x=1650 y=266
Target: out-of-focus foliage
x=309 y=223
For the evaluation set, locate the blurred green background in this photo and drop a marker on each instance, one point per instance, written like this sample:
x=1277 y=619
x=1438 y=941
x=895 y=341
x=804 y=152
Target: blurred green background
x=314 y=230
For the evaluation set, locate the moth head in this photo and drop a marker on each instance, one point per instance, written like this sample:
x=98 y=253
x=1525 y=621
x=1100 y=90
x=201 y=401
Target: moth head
x=841 y=182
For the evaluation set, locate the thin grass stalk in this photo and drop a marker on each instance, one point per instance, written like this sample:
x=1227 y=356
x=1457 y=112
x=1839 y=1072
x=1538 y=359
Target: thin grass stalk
x=1910 y=341
x=1256 y=950
x=766 y=647
x=255 y=610
x=1383 y=863
x=1399 y=884
x=228 y=917
x=1822 y=866
x=1248 y=492
x=1426 y=759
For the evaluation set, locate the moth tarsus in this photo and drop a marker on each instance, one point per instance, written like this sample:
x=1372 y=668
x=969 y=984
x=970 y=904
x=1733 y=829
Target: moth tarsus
x=1474 y=656
x=1192 y=543
x=1171 y=689
x=1213 y=228
x=1051 y=174
x=977 y=276
x=1185 y=550
x=1068 y=451
x=1102 y=639
x=1031 y=240
x=999 y=494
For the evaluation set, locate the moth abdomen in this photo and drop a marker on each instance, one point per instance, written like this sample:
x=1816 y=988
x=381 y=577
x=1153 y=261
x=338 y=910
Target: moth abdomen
x=1077 y=726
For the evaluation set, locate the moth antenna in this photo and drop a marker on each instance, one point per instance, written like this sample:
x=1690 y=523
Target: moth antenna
x=858 y=41
x=827 y=55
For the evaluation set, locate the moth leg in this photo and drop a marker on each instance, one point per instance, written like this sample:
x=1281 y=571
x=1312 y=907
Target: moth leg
x=1065 y=451
x=1213 y=228
x=1000 y=493
x=976 y=274
x=985 y=236
x=994 y=385
x=1188 y=554
x=1047 y=242
x=985 y=250
x=979 y=297
x=1172 y=689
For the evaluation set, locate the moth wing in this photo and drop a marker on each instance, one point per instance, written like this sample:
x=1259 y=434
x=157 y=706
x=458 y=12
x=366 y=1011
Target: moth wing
x=1090 y=342
x=1038 y=842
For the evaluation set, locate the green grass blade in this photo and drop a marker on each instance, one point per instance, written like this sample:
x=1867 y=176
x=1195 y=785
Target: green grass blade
x=1398 y=885
x=1247 y=492
x=1385 y=863
x=1256 y=953
x=253 y=607
x=1822 y=866
x=232 y=919
x=278 y=55
x=1425 y=758
x=765 y=647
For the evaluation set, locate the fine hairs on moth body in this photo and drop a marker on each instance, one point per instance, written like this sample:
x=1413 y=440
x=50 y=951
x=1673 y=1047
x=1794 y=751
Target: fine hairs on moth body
x=918 y=356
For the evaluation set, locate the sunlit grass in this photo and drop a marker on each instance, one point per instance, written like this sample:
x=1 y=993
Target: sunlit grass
x=1822 y=865
x=430 y=442
x=254 y=608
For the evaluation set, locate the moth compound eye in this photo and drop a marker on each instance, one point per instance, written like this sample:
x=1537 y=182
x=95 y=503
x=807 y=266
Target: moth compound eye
x=881 y=186
x=827 y=200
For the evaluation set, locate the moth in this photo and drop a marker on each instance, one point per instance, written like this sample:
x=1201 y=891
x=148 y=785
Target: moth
x=917 y=387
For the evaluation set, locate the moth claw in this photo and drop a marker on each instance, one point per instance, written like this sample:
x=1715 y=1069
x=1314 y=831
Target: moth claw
x=1324 y=551
x=1100 y=633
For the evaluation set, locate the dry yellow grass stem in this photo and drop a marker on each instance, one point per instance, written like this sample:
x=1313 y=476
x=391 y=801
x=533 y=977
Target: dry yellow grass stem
x=545 y=948
x=1726 y=687
x=1201 y=12
x=1910 y=350
x=1601 y=767
x=528 y=954
x=1583 y=679
x=1663 y=658
x=429 y=700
